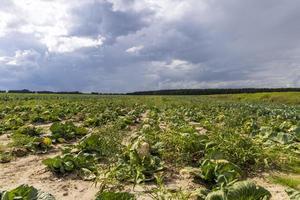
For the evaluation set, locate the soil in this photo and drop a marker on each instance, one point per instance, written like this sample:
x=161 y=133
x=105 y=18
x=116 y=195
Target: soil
x=30 y=170
x=5 y=139
x=277 y=191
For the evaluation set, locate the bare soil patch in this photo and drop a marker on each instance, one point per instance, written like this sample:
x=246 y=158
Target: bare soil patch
x=276 y=190
x=5 y=139
x=30 y=170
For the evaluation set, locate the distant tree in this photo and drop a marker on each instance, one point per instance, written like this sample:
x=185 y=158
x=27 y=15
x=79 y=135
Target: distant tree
x=20 y=91
x=214 y=91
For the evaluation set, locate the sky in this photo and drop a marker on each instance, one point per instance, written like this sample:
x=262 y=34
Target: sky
x=135 y=45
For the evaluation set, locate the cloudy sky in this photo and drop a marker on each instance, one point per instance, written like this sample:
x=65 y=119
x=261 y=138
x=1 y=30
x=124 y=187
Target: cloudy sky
x=130 y=45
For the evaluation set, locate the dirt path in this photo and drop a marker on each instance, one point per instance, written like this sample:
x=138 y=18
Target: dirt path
x=30 y=170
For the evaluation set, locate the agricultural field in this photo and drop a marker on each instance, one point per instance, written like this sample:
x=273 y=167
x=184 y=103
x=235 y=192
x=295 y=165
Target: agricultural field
x=92 y=147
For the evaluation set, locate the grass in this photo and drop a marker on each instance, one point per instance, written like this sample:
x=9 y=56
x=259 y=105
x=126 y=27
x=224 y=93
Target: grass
x=294 y=166
x=288 y=181
x=20 y=140
x=292 y=98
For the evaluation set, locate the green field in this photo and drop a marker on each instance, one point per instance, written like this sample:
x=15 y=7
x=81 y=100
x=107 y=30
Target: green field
x=291 y=98
x=152 y=147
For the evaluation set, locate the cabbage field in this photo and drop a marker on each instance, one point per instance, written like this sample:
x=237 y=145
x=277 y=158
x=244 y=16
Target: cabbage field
x=93 y=147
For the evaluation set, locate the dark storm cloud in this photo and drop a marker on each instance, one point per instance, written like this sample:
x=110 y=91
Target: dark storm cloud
x=119 y=45
x=14 y=41
x=99 y=17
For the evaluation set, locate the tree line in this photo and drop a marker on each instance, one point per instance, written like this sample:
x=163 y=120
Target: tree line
x=213 y=91
x=25 y=91
x=169 y=92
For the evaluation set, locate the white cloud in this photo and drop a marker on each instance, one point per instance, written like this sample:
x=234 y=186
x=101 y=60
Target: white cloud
x=168 y=10
x=41 y=31
x=43 y=12
x=26 y=58
x=175 y=66
x=50 y=22
x=5 y=20
x=19 y=57
x=135 y=49
x=69 y=44
x=175 y=70
x=3 y=59
x=180 y=65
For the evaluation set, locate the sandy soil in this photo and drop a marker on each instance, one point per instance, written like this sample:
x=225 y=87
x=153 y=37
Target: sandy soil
x=5 y=139
x=276 y=190
x=174 y=183
x=30 y=170
x=198 y=128
x=45 y=128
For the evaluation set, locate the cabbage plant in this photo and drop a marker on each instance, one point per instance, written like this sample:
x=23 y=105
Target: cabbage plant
x=25 y=192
